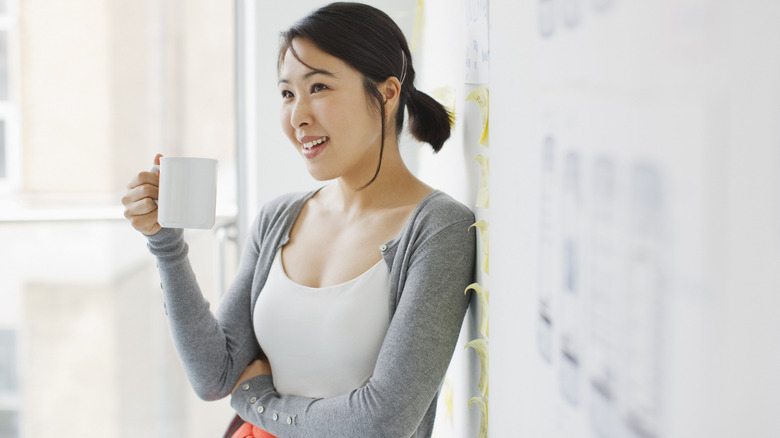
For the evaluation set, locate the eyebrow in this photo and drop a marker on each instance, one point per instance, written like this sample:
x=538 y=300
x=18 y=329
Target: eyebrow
x=312 y=72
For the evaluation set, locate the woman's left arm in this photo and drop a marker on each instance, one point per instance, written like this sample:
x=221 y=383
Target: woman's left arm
x=413 y=359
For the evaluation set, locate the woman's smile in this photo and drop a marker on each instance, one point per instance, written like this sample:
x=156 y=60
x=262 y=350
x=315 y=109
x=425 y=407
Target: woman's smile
x=309 y=144
x=312 y=146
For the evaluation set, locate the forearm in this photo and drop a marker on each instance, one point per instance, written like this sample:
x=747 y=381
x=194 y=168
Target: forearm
x=364 y=412
x=207 y=349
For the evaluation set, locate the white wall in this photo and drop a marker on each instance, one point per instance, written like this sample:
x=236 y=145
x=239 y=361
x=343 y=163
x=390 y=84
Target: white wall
x=634 y=202
x=674 y=309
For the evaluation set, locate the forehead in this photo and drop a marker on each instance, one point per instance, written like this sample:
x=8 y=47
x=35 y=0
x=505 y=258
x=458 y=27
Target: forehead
x=310 y=58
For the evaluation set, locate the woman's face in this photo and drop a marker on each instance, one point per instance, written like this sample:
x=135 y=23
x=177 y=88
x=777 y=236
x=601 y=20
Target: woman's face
x=327 y=115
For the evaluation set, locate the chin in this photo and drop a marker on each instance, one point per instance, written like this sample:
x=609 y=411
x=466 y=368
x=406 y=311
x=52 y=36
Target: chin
x=320 y=175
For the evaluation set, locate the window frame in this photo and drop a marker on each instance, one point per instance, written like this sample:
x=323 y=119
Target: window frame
x=9 y=109
x=10 y=401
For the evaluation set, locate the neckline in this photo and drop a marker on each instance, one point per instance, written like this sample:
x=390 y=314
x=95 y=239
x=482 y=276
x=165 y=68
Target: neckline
x=389 y=244
x=279 y=266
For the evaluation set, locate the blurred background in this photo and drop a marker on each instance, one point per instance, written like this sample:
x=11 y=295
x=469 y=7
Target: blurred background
x=634 y=206
x=90 y=90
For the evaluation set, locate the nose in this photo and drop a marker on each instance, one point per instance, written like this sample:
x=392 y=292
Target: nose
x=300 y=115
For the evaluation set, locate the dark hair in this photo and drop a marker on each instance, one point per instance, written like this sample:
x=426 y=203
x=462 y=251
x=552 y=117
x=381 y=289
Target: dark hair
x=369 y=41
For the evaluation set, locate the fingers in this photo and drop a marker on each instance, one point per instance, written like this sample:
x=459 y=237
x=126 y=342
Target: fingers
x=143 y=186
x=140 y=208
x=144 y=178
x=139 y=201
x=146 y=223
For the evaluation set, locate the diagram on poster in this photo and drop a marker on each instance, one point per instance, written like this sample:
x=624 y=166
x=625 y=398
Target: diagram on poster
x=477 y=48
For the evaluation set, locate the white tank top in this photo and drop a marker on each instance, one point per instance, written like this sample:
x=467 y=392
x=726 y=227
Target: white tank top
x=322 y=342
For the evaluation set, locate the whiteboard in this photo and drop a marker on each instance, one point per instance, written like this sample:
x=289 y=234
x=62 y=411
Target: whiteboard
x=634 y=186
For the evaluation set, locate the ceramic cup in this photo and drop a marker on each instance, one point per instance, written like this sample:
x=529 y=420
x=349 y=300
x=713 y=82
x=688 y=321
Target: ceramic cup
x=188 y=192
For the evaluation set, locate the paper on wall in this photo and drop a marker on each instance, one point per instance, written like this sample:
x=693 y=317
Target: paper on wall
x=418 y=24
x=481 y=97
x=483 y=195
x=481 y=347
x=446 y=96
x=477 y=53
x=482 y=226
x=484 y=301
x=483 y=423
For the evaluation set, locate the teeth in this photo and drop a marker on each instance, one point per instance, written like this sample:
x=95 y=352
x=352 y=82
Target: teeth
x=311 y=144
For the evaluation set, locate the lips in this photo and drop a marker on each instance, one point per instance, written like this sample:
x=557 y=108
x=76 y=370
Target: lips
x=312 y=146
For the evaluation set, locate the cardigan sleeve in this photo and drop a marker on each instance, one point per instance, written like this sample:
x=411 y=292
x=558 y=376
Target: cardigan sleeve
x=412 y=362
x=214 y=350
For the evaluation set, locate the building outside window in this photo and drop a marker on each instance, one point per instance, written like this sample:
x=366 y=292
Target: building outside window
x=90 y=91
x=9 y=385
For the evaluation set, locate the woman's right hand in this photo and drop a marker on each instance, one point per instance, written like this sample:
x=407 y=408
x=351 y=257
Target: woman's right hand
x=139 y=201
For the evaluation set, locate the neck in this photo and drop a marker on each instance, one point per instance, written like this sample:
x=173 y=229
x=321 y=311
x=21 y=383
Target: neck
x=394 y=185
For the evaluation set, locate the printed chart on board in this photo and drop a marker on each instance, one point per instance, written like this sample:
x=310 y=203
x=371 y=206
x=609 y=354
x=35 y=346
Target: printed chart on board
x=618 y=212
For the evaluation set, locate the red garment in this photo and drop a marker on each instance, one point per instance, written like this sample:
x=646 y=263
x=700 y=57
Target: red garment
x=247 y=430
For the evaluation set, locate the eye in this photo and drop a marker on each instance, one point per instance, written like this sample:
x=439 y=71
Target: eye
x=286 y=94
x=318 y=87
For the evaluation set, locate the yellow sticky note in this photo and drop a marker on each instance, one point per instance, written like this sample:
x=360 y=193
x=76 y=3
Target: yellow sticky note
x=484 y=305
x=481 y=97
x=483 y=423
x=418 y=24
x=447 y=392
x=483 y=195
x=481 y=347
x=446 y=96
x=482 y=226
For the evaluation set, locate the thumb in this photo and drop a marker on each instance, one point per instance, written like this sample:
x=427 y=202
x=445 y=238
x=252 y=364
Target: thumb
x=157 y=159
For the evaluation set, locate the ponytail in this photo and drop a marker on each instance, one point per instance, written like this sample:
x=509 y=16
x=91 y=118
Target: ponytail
x=429 y=121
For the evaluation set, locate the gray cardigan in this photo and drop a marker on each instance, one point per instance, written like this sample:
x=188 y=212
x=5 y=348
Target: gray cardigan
x=431 y=262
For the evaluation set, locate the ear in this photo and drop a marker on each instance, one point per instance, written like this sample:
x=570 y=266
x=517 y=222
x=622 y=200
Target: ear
x=391 y=92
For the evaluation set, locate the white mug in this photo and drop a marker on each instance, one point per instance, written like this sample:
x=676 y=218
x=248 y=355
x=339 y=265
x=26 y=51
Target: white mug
x=188 y=192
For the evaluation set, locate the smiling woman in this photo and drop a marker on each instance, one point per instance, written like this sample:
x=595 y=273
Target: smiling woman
x=372 y=266
x=347 y=305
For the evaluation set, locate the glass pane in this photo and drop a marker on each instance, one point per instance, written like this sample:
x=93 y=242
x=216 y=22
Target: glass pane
x=2 y=150
x=8 y=376
x=78 y=283
x=9 y=424
x=3 y=65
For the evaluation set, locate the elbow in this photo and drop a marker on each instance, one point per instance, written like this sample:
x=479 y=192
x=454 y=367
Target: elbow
x=394 y=420
x=209 y=391
x=210 y=395
x=393 y=425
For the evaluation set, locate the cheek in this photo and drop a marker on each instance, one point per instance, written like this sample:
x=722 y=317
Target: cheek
x=283 y=116
x=284 y=122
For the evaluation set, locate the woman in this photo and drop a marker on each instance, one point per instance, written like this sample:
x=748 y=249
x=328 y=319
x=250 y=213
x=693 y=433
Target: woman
x=354 y=292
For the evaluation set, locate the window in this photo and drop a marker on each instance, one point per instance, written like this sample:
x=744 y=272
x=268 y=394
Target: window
x=3 y=171
x=80 y=296
x=4 y=65
x=7 y=105
x=9 y=385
